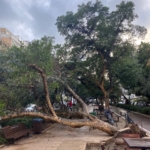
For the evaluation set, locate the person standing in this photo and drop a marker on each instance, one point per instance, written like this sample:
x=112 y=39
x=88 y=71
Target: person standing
x=70 y=105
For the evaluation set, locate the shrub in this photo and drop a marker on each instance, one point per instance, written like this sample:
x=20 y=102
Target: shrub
x=2 y=139
x=25 y=120
x=143 y=110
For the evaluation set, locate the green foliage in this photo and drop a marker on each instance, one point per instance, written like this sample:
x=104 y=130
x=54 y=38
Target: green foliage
x=2 y=138
x=144 y=53
x=38 y=52
x=19 y=79
x=142 y=71
x=28 y=121
x=96 y=42
x=88 y=88
x=2 y=106
x=143 y=110
x=129 y=71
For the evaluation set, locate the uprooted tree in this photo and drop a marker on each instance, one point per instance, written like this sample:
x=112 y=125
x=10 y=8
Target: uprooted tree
x=24 y=76
x=88 y=120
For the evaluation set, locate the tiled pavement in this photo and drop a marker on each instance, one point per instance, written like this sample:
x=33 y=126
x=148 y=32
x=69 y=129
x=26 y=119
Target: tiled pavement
x=72 y=145
x=59 y=137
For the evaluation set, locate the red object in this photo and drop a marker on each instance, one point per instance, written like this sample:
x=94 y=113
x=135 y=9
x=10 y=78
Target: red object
x=70 y=104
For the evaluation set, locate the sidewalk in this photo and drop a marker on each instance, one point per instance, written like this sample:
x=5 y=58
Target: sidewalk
x=60 y=137
x=72 y=145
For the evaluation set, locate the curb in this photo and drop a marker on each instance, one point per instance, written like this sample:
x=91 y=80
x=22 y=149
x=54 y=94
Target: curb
x=140 y=114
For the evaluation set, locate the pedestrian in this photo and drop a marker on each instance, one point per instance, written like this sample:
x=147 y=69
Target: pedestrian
x=70 y=105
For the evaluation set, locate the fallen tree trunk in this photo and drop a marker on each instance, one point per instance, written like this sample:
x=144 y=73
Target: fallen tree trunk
x=79 y=100
x=77 y=123
x=88 y=120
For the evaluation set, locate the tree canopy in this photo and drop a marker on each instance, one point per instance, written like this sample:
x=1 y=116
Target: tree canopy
x=97 y=37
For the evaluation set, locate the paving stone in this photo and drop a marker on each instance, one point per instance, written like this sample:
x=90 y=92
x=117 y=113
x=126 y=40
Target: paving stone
x=72 y=145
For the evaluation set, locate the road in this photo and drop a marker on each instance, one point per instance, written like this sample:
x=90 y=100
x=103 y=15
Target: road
x=140 y=119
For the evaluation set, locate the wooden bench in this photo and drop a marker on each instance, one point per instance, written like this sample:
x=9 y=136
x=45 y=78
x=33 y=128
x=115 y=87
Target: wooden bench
x=15 y=132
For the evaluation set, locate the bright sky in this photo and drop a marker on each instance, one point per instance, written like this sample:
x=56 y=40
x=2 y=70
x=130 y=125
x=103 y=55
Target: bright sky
x=32 y=19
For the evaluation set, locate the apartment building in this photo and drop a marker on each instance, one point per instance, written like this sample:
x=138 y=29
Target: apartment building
x=7 y=40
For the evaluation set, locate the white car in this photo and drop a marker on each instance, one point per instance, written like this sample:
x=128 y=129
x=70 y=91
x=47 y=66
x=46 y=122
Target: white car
x=31 y=107
x=121 y=102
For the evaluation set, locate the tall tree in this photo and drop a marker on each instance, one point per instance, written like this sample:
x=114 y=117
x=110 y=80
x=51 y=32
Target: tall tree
x=95 y=34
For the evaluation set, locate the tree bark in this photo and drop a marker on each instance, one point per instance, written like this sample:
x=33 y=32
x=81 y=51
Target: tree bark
x=101 y=83
x=35 y=67
x=79 y=99
x=77 y=123
x=106 y=95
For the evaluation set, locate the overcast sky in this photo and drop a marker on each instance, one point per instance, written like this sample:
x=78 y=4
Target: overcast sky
x=32 y=19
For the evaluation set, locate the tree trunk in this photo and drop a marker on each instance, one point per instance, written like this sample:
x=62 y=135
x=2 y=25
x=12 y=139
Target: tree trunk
x=77 y=123
x=78 y=98
x=106 y=95
x=35 y=67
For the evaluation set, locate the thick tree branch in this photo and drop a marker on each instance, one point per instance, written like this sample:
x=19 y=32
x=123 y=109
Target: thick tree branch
x=77 y=123
x=84 y=106
x=35 y=67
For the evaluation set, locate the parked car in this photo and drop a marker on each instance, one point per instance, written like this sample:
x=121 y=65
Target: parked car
x=121 y=102
x=31 y=107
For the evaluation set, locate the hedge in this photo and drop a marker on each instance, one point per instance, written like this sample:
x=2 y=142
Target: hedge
x=25 y=120
x=140 y=109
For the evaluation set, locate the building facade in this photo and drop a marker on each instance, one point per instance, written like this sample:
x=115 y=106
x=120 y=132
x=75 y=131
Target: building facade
x=7 y=40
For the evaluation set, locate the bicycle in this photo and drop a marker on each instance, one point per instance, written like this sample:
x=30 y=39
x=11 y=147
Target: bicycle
x=128 y=119
x=109 y=117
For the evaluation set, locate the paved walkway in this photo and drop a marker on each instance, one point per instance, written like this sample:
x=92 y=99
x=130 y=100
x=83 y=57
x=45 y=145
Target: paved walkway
x=72 y=145
x=59 y=137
